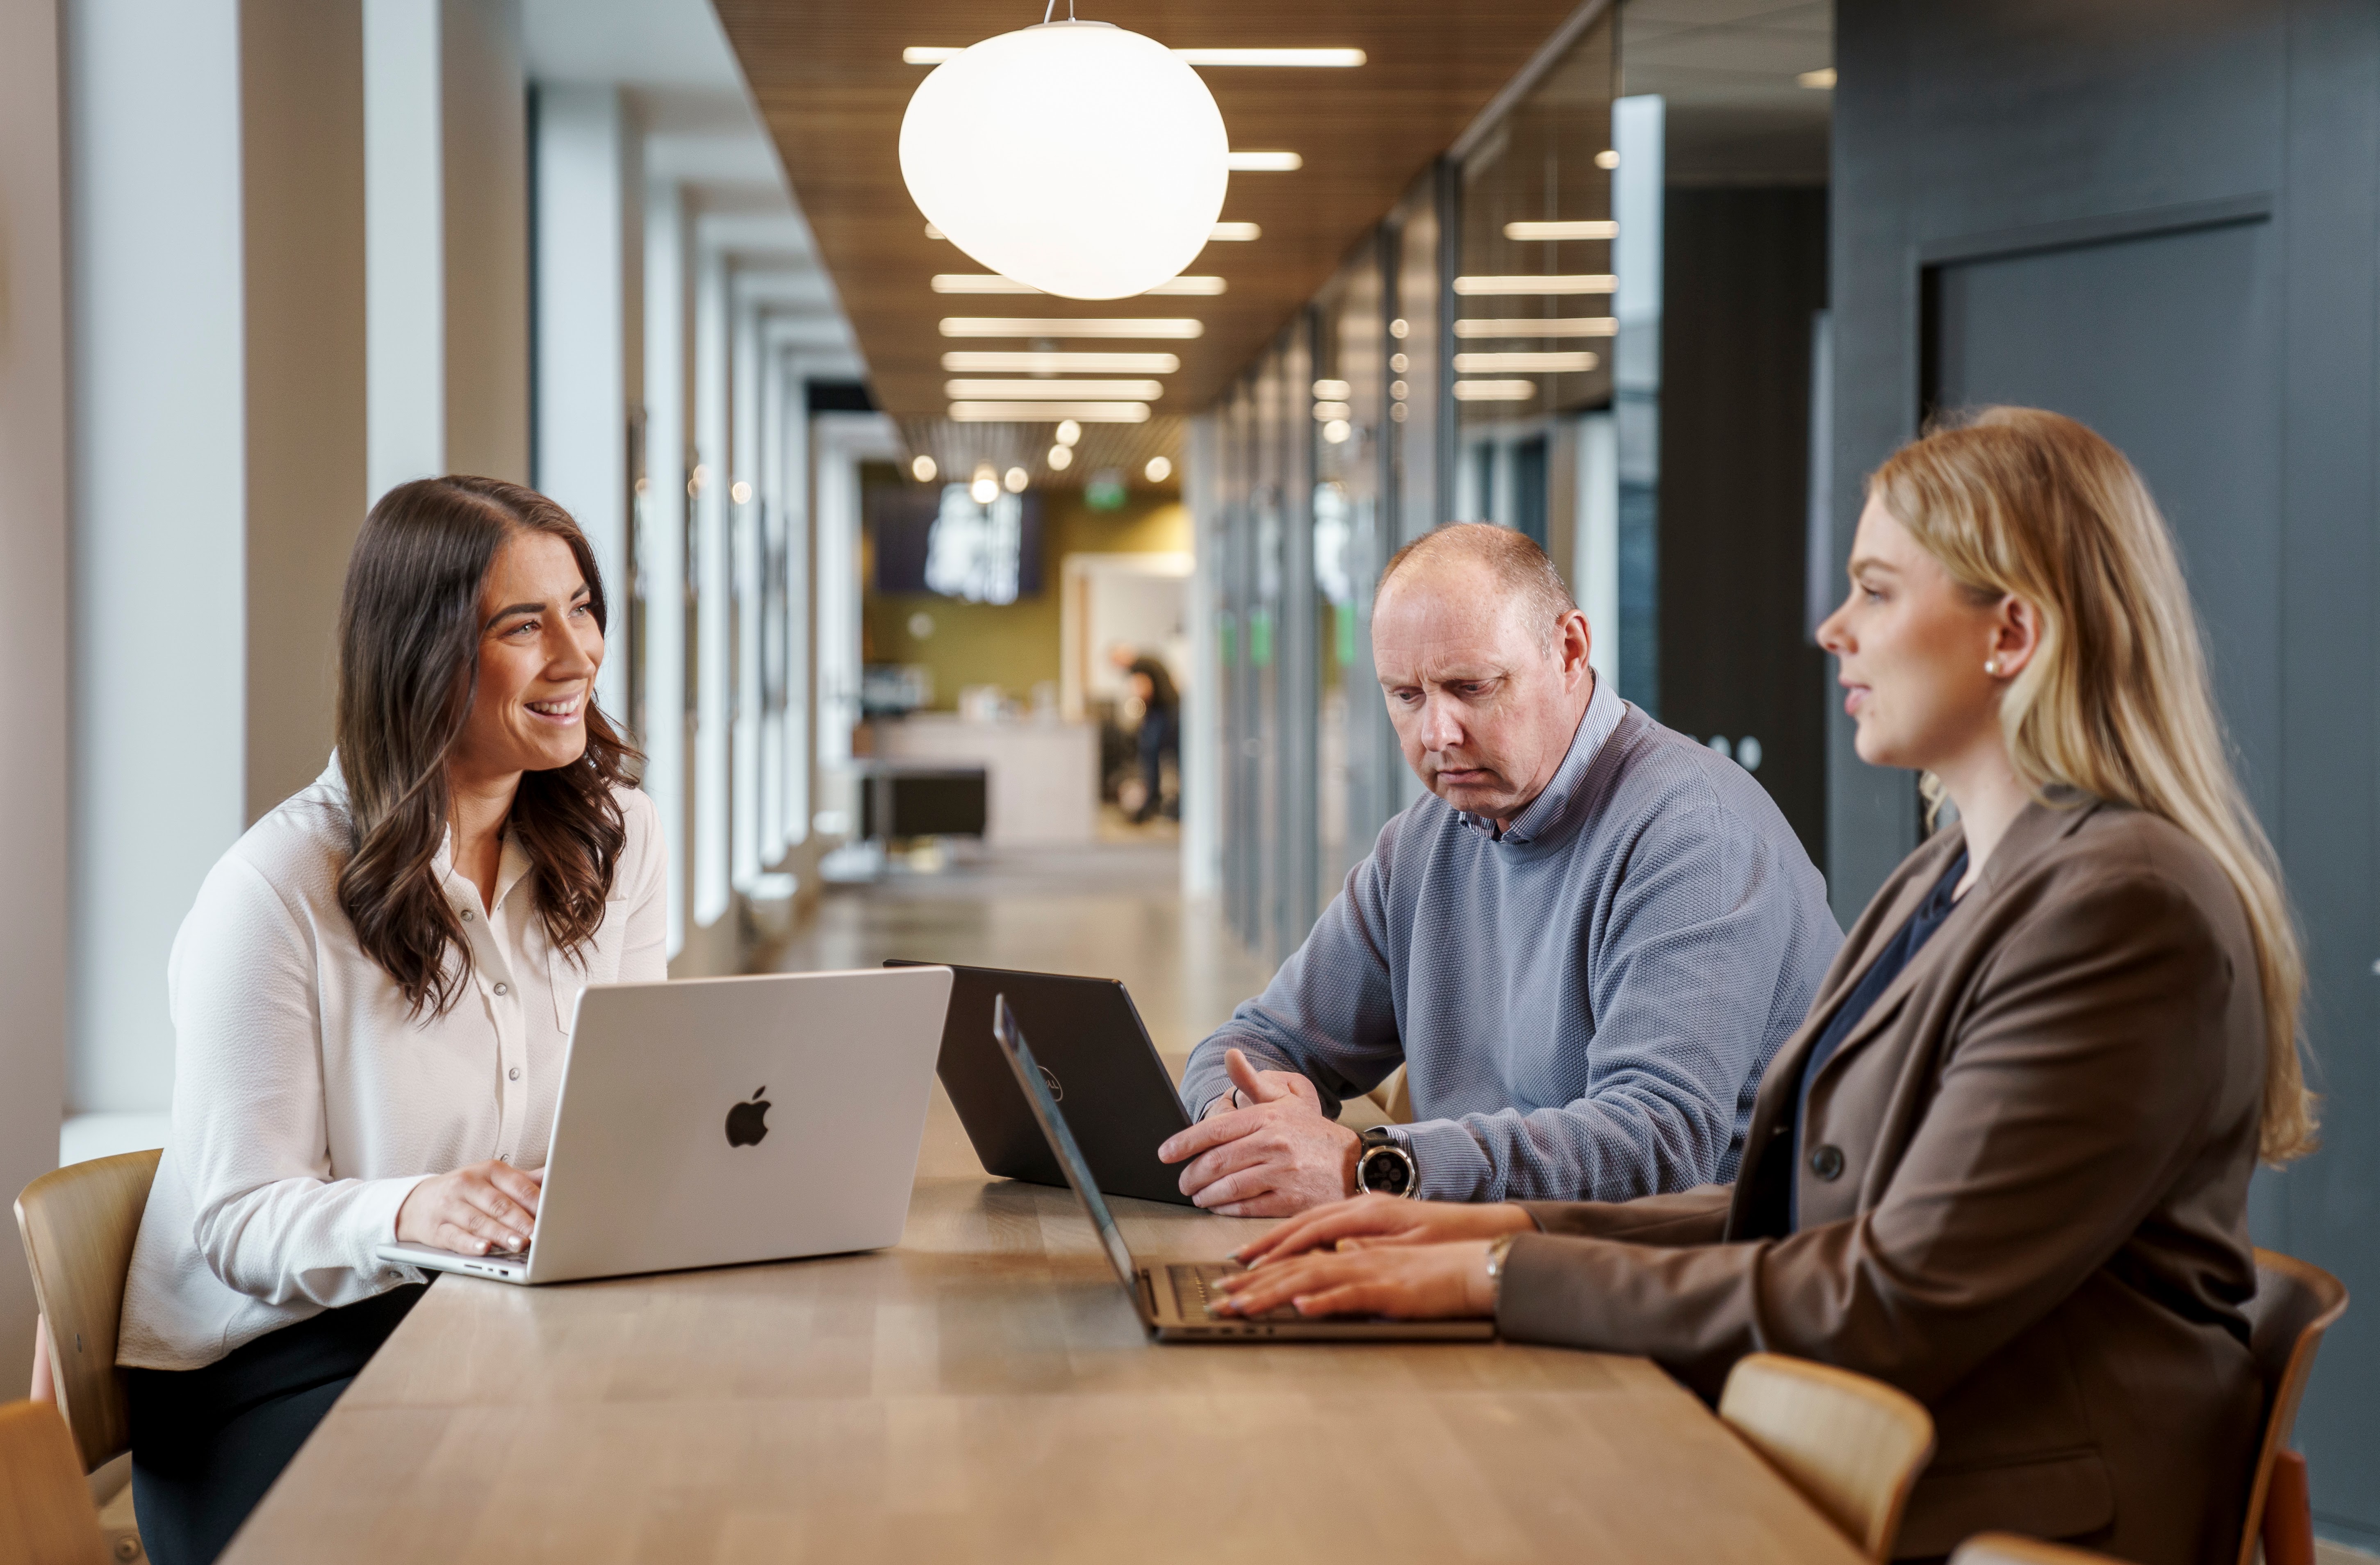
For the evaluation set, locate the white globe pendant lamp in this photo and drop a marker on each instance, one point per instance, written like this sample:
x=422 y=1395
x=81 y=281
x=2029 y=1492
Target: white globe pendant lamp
x=1075 y=157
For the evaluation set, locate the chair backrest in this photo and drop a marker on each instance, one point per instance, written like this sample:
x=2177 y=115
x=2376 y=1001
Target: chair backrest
x=2295 y=1303
x=79 y=1224
x=1851 y=1445
x=2009 y=1548
x=45 y=1512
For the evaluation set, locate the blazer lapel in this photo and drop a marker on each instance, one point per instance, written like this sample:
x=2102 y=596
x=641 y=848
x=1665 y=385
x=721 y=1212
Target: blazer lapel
x=2032 y=832
x=2034 y=829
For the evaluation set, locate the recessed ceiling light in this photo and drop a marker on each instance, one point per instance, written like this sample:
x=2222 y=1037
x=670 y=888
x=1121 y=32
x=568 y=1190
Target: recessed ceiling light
x=1264 y=162
x=1159 y=469
x=922 y=468
x=1053 y=391
x=1319 y=59
x=980 y=362
x=1585 y=228
x=1060 y=457
x=993 y=283
x=1607 y=158
x=1337 y=430
x=1574 y=283
x=1221 y=234
x=1531 y=326
x=1016 y=479
x=1542 y=363
x=1819 y=79
x=1068 y=431
x=1162 y=328
x=1332 y=390
x=1326 y=411
x=1042 y=412
x=1494 y=390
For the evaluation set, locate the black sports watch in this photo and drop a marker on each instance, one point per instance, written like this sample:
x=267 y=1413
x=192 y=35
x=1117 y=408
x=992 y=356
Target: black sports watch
x=1383 y=1167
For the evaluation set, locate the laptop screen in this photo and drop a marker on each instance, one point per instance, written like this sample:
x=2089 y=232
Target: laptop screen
x=1010 y=1038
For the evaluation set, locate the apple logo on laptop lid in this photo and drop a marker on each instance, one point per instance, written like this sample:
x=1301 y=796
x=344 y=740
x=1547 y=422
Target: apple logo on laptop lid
x=748 y=1122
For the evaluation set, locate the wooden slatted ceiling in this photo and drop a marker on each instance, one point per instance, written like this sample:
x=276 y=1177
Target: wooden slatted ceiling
x=832 y=87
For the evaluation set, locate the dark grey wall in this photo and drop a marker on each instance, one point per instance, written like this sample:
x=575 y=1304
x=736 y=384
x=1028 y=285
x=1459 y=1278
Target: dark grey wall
x=2160 y=216
x=1743 y=271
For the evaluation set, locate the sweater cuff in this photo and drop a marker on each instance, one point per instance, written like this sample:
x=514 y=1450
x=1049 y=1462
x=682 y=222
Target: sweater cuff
x=1449 y=1161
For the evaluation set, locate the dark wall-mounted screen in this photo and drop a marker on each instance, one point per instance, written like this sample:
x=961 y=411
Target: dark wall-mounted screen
x=938 y=538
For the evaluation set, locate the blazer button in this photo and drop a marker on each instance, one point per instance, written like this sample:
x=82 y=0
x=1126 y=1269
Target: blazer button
x=1827 y=1162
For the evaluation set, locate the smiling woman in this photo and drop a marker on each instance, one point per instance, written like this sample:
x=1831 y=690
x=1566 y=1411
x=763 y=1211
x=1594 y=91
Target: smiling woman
x=469 y=637
x=372 y=995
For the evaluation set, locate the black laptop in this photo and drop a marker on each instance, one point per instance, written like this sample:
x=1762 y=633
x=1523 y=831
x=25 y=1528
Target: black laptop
x=1099 y=1062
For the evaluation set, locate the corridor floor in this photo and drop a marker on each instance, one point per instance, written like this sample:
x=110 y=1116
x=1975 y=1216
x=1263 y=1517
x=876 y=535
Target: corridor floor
x=1114 y=911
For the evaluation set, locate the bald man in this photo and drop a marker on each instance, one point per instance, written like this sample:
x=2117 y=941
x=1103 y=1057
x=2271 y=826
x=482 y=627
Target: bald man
x=1584 y=946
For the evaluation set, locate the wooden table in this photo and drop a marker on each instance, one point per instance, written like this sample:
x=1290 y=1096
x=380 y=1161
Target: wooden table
x=985 y=1391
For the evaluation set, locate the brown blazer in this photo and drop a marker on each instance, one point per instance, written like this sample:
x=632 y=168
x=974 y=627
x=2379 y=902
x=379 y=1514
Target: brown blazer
x=2035 y=1221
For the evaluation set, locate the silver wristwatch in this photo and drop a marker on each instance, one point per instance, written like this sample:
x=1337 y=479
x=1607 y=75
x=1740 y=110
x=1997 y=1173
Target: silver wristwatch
x=1383 y=1165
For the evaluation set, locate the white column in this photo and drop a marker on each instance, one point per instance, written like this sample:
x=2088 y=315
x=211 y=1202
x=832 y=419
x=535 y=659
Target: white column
x=160 y=558
x=661 y=533
x=794 y=488
x=714 y=675
x=405 y=226
x=34 y=583
x=582 y=393
x=745 y=510
x=769 y=459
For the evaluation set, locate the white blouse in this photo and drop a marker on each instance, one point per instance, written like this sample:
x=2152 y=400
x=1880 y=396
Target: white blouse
x=308 y=1101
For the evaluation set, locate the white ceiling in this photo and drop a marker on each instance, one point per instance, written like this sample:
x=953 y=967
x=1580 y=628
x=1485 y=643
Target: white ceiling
x=703 y=131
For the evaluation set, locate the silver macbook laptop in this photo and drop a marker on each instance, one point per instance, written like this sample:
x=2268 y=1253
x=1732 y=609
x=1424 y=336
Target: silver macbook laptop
x=712 y=1122
x=1175 y=1298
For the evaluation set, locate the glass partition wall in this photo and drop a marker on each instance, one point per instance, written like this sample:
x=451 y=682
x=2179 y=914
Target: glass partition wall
x=1457 y=366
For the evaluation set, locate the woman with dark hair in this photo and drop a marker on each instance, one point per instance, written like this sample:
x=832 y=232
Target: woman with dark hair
x=372 y=998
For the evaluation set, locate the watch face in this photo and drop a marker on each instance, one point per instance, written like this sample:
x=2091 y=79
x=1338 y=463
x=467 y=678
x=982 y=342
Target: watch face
x=1385 y=1171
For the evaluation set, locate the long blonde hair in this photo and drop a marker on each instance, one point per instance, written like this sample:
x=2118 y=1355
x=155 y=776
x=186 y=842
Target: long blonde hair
x=2116 y=702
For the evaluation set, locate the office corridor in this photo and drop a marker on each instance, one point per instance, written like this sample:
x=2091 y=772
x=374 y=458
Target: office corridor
x=1113 y=910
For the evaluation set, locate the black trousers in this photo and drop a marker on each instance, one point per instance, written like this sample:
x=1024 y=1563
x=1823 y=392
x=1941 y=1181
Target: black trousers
x=207 y=1443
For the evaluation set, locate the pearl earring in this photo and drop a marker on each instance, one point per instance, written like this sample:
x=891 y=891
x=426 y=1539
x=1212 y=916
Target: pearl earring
x=1992 y=667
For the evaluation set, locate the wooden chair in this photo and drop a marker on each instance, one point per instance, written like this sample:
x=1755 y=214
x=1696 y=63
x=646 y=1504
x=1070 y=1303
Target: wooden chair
x=2295 y=1303
x=79 y=1224
x=1851 y=1445
x=2007 y=1548
x=45 y=1513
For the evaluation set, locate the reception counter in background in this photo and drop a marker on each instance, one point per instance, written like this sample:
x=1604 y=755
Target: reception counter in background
x=1042 y=777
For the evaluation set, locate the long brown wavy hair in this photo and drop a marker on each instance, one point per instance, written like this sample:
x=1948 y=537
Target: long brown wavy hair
x=408 y=666
x=2118 y=703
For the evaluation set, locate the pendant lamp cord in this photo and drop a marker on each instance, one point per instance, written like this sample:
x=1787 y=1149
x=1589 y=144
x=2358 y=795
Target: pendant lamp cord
x=1052 y=9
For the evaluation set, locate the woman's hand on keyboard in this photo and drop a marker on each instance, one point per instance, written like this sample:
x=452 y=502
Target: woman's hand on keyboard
x=1407 y=1283
x=1369 y=1220
x=489 y=1206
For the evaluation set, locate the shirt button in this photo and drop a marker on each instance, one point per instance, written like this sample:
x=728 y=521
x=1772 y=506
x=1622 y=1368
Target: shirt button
x=513 y=1074
x=501 y=989
x=1826 y=1162
x=466 y=915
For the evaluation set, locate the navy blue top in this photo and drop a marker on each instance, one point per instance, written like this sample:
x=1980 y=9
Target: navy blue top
x=1902 y=950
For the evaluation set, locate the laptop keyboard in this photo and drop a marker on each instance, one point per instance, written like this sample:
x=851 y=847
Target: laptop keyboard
x=1202 y=1285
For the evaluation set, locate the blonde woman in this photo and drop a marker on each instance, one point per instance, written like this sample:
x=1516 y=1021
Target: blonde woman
x=2004 y=1163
